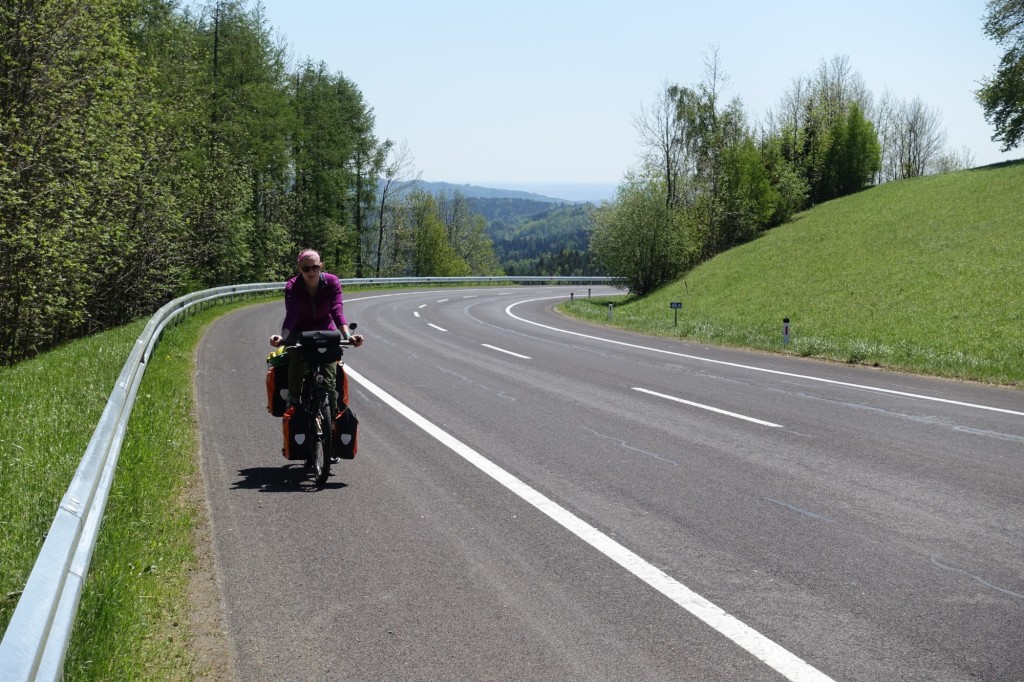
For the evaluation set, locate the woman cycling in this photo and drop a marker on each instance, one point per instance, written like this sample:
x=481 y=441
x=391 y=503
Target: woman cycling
x=312 y=302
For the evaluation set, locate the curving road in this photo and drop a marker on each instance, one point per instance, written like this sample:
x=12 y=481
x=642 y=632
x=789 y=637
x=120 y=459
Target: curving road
x=539 y=499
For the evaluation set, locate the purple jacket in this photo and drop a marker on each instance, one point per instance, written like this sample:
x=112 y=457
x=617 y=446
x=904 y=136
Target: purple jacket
x=323 y=310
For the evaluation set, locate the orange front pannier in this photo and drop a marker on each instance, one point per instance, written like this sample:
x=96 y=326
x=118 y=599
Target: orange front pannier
x=277 y=382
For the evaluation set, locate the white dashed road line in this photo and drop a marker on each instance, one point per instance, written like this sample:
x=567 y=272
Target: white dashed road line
x=502 y=350
x=707 y=407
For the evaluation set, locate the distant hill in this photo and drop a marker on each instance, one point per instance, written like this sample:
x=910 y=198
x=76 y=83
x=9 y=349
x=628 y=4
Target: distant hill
x=504 y=214
x=475 y=192
x=533 y=234
x=579 y=192
x=559 y=193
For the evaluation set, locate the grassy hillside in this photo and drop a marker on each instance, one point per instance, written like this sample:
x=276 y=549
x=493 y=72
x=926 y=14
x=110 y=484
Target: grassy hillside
x=925 y=275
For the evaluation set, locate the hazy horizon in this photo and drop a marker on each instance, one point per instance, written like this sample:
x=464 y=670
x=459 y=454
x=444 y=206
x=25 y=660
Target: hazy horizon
x=595 y=192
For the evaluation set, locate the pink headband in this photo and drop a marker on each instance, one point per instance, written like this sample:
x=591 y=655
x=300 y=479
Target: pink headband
x=306 y=253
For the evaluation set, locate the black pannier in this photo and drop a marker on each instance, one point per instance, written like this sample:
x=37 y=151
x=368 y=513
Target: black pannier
x=297 y=441
x=346 y=434
x=321 y=347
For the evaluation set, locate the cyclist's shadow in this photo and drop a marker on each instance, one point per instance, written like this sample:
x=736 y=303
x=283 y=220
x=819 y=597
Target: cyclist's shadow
x=291 y=478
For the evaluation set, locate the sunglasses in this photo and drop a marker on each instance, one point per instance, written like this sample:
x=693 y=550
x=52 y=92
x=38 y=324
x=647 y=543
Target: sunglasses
x=308 y=268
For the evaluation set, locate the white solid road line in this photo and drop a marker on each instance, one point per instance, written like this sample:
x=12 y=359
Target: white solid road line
x=508 y=311
x=787 y=664
x=708 y=407
x=502 y=350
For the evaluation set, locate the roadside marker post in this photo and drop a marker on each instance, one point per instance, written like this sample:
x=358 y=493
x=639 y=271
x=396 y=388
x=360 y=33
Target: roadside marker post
x=785 y=331
x=675 y=306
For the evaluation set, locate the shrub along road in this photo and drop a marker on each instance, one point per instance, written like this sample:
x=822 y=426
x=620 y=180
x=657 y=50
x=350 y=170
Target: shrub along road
x=602 y=505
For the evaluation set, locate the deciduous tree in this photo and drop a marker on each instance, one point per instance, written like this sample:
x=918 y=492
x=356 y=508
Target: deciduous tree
x=1002 y=95
x=249 y=118
x=398 y=175
x=853 y=156
x=432 y=254
x=639 y=238
x=657 y=125
x=913 y=140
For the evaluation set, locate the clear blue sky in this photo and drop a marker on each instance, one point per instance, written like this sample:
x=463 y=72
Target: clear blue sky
x=530 y=92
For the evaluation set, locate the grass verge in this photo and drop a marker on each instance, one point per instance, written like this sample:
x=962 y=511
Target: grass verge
x=133 y=620
x=49 y=407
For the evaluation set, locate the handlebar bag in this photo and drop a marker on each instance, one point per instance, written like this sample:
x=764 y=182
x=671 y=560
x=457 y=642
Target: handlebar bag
x=321 y=347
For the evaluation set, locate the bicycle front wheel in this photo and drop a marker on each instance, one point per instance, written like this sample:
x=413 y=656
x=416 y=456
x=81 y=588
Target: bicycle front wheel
x=322 y=443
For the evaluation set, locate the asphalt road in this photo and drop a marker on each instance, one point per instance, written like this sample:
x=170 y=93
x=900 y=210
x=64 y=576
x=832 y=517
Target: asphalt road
x=540 y=499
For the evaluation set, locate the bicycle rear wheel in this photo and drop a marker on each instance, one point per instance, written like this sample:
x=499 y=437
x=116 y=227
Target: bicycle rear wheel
x=322 y=443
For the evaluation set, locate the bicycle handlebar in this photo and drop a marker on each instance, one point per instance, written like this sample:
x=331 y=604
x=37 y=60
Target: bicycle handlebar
x=341 y=342
x=354 y=341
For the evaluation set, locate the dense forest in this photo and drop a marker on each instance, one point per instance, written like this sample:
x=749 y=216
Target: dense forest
x=554 y=241
x=149 y=150
x=503 y=214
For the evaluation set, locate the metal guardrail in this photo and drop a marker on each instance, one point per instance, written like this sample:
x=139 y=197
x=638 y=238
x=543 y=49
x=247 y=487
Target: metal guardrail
x=531 y=279
x=36 y=640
